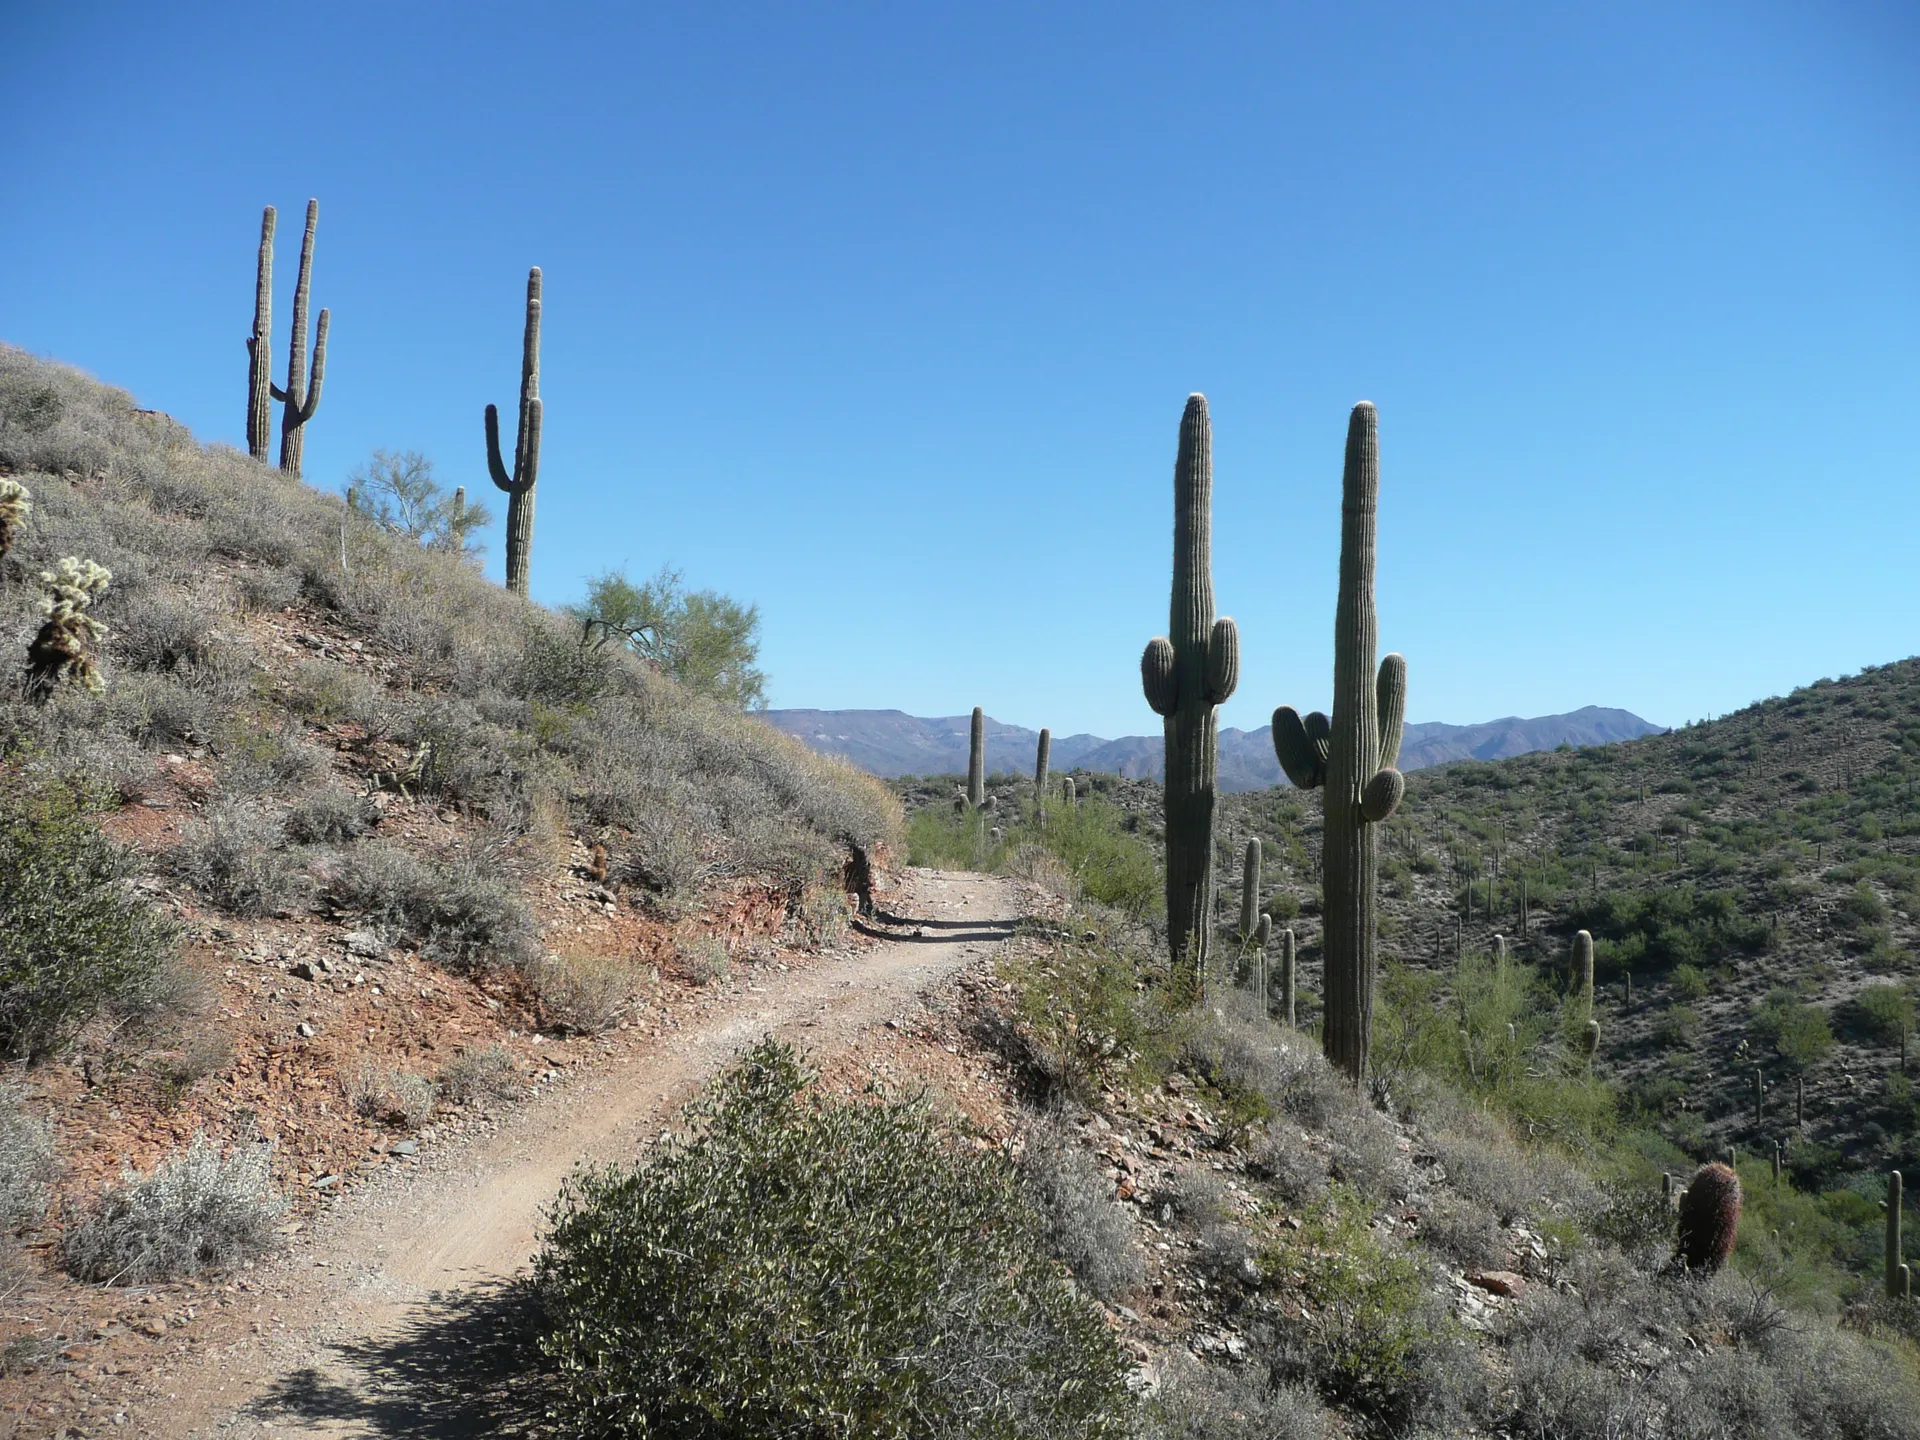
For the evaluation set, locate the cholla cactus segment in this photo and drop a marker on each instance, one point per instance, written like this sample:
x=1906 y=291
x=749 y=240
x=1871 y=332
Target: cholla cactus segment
x=16 y=504
x=1709 y=1218
x=60 y=651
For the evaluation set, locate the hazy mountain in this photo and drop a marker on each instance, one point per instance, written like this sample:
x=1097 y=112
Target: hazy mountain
x=891 y=742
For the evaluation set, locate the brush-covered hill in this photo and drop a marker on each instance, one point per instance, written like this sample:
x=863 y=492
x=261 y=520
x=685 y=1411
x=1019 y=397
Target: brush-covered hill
x=1757 y=875
x=376 y=833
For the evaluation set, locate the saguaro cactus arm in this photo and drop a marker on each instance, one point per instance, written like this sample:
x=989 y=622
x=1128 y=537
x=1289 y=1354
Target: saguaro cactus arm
x=1157 y=677
x=1301 y=746
x=1223 y=661
x=521 y=479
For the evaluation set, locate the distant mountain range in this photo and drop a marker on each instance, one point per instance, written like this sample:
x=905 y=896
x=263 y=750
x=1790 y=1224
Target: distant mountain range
x=891 y=742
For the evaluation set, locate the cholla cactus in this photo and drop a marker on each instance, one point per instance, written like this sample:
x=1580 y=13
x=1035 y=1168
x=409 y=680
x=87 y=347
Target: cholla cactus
x=16 y=504
x=60 y=650
x=1709 y=1218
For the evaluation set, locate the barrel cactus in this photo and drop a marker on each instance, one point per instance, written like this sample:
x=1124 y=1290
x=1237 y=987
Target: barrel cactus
x=1352 y=758
x=1186 y=674
x=1709 y=1218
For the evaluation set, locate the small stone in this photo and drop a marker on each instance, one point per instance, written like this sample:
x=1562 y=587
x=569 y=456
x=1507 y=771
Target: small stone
x=155 y=1326
x=325 y=1182
x=404 y=1147
x=364 y=942
x=301 y=970
x=304 y=1030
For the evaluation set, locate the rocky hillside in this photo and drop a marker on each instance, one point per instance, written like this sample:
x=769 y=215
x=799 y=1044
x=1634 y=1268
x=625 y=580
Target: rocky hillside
x=393 y=839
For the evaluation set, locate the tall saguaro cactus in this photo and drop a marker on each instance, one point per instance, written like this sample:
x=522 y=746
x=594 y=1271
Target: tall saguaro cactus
x=1250 y=892
x=1899 y=1277
x=1186 y=674
x=518 y=483
x=1583 y=968
x=260 y=347
x=1289 y=978
x=1041 y=762
x=977 y=760
x=302 y=393
x=1352 y=756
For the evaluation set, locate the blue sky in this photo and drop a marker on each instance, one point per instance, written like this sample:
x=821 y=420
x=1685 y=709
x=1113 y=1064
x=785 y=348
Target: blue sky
x=883 y=316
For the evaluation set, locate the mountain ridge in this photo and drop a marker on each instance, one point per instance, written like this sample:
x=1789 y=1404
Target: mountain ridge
x=891 y=743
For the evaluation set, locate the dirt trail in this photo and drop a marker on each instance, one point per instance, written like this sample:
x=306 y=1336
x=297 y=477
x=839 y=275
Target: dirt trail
x=393 y=1280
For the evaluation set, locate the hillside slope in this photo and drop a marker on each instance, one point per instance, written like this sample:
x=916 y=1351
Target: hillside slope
x=414 y=844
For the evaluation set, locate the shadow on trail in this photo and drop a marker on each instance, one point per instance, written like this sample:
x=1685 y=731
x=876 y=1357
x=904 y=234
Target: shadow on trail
x=938 y=932
x=468 y=1367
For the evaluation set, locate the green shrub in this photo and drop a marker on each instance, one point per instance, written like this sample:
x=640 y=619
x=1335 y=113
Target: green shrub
x=1885 y=1010
x=195 y=1212
x=1086 y=1228
x=1689 y=982
x=1798 y=1033
x=235 y=854
x=756 y=1278
x=73 y=940
x=464 y=916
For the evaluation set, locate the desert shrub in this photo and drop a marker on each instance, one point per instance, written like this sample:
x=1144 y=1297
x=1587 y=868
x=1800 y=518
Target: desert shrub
x=74 y=941
x=1203 y=1402
x=703 y=959
x=167 y=633
x=465 y=917
x=267 y=589
x=1885 y=1010
x=1689 y=982
x=1077 y=1005
x=1372 y=1337
x=586 y=993
x=1083 y=1225
x=755 y=1278
x=482 y=1072
x=1798 y=1033
x=1463 y=1230
x=195 y=1212
x=1488 y=1168
x=26 y=1160
x=235 y=854
x=258 y=760
x=1296 y=1170
x=331 y=816
x=391 y=1095
x=192 y=1056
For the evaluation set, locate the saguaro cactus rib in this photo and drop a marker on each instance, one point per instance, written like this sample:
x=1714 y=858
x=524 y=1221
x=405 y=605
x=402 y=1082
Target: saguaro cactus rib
x=1351 y=757
x=518 y=483
x=1185 y=674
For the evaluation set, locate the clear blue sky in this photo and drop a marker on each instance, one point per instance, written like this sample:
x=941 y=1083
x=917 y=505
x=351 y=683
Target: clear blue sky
x=882 y=316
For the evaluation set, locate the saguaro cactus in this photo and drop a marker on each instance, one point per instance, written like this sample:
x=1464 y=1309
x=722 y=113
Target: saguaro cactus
x=1040 y=759
x=518 y=483
x=1288 y=977
x=1250 y=916
x=302 y=395
x=1709 y=1218
x=260 y=348
x=977 y=761
x=1898 y=1276
x=1583 y=968
x=1186 y=674
x=1352 y=756
x=1070 y=792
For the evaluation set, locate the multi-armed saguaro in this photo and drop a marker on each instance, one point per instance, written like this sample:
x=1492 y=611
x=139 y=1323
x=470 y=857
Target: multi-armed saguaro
x=526 y=446
x=1186 y=673
x=1353 y=757
x=302 y=394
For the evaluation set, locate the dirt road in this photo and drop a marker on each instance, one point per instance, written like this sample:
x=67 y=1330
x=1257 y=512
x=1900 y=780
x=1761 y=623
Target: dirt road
x=405 y=1286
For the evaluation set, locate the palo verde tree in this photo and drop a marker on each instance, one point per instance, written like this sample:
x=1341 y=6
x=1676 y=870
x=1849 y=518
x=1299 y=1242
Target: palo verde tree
x=1352 y=757
x=1186 y=674
x=703 y=639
